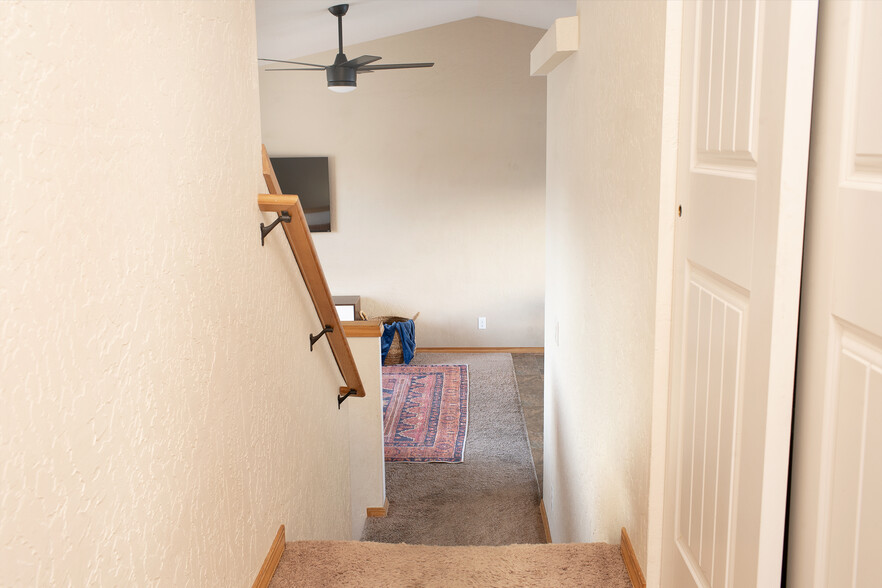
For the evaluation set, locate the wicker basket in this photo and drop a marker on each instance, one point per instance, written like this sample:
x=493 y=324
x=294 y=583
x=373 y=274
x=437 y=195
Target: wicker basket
x=395 y=354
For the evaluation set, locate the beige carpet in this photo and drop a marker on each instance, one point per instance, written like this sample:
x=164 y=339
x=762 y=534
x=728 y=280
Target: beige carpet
x=363 y=564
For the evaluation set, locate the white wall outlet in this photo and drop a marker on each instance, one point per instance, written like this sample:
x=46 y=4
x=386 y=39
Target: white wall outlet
x=557 y=334
x=482 y=322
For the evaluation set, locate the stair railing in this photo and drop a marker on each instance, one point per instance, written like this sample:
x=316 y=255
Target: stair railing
x=297 y=231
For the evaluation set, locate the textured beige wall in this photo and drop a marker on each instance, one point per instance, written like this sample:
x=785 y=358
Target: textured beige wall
x=162 y=414
x=604 y=152
x=438 y=178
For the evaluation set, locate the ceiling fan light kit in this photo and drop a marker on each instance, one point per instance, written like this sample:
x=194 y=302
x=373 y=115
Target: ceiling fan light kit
x=343 y=72
x=341 y=78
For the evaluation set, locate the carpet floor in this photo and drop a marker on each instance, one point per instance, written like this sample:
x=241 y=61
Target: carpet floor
x=530 y=372
x=492 y=497
x=353 y=563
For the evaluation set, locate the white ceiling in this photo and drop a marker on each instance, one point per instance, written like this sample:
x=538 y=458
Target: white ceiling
x=287 y=29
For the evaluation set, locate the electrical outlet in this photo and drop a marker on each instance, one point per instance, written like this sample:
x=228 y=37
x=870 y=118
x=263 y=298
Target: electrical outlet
x=482 y=322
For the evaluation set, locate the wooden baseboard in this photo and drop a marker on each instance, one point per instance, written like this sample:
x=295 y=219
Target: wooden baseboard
x=481 y=349
x=272 y=560
x=545 y=521
x=630 y=558
x=378 y=511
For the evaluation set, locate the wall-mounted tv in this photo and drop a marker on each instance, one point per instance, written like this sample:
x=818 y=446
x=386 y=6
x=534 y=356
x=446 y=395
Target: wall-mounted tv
x=308 y=178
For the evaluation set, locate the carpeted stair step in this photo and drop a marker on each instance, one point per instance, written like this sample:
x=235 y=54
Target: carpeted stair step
x=365 y=564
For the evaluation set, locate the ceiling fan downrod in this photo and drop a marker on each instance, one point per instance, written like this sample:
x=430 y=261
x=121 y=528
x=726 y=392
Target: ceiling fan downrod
x=339 y=11
x=340 y=77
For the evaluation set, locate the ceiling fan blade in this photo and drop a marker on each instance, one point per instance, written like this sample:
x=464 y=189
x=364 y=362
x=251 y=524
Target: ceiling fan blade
x=295 y=69
x=362 y=61
x=294 y=62
x=394 y=66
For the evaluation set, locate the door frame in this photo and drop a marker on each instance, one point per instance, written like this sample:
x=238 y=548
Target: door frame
x=667 y=219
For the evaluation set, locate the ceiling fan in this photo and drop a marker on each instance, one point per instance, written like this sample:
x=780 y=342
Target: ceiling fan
x=342 y=73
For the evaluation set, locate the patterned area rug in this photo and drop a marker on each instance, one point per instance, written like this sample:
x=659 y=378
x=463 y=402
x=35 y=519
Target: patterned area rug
x=425 y=412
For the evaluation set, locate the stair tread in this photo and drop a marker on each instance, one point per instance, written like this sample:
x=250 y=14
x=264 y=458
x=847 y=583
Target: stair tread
x=361 y=563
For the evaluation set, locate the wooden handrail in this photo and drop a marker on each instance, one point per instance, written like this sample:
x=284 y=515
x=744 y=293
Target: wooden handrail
x=297 y=232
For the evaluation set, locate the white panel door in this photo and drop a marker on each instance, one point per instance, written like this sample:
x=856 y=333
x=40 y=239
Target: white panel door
x=836 y=507
x=745 y=110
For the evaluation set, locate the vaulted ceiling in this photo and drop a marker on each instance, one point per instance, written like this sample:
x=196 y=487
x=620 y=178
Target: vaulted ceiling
x=288 y=29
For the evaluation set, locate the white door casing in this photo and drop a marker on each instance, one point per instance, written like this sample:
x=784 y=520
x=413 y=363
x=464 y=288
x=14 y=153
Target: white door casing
x=746 y=90
x=836 y=513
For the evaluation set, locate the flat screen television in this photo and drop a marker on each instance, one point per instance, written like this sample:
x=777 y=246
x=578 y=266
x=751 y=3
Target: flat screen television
x=308 y=178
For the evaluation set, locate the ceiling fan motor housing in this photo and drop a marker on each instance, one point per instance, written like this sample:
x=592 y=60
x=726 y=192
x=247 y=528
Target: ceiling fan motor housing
x=339 y=74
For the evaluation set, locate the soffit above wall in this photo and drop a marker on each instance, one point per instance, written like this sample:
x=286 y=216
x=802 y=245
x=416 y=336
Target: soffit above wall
x=289 y=29
x=558 y=43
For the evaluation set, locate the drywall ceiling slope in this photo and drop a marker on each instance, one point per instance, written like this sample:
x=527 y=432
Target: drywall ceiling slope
x=290 y=29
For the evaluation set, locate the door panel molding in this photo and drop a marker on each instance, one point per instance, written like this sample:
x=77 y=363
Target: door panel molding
x=725 y=86
x=710 y=426
x=864 y=129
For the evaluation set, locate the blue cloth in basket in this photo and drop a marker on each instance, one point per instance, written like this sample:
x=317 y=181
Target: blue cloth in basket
x=406 y=333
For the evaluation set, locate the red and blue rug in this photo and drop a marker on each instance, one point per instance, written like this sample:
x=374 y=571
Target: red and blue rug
x=425 y=412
